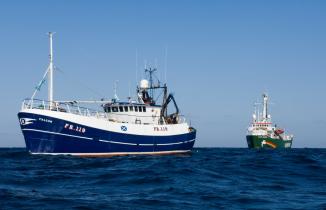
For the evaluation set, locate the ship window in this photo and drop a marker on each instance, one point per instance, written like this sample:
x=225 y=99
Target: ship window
x=136 y=108
x=131 y=108
x=108 y=109
x=126 y=109
x=144 y=109
x=114 y=109
x=140 y=109
x=121 y=108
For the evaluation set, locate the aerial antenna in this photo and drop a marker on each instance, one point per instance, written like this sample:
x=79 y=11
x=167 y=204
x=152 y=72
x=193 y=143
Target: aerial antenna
x=165 y=63
x=156 y=65
x=129 y=92
x=255 y=110
x=145 y=64
x=257 y=107
x=115 y=90
x=136 y=67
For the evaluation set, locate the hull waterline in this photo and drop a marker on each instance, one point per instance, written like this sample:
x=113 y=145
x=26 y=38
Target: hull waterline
x=267 y=142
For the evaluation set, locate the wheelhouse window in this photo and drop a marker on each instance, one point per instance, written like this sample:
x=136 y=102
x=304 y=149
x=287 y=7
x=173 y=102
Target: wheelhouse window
x=108 y=109
x=114 y=109
x=131 y=108
x=121 y=108
x=136 y=108
x=144 y=108
x=140 y=109
x=126 y=109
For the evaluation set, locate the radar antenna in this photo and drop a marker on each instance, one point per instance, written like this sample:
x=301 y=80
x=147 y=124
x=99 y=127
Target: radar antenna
x=150 y=71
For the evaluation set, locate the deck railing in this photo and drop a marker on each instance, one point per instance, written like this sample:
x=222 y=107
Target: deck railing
x=62 y=107
x=69 y=107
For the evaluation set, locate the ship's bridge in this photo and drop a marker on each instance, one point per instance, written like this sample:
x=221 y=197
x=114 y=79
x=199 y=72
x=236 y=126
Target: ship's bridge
x=133 y=113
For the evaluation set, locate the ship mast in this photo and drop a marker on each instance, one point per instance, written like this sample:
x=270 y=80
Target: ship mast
x=50 y=73
x=151 y=85
x=265 y=102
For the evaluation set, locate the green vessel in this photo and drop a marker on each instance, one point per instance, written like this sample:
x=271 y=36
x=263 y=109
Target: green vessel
x=262 y=134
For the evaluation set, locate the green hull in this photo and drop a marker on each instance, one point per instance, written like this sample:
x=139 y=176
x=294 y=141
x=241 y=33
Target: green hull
x=267 y=142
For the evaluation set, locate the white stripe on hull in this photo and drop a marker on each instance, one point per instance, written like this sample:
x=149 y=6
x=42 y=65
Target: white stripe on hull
x=166 y=144
x=116 y=153
x=117 y=142
x=55 y=133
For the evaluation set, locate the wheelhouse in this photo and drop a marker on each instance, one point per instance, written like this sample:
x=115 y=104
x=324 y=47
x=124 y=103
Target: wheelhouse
x=124 y=108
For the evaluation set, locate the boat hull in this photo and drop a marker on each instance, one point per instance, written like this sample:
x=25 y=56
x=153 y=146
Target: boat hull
x=267 y=142
x=49 y=135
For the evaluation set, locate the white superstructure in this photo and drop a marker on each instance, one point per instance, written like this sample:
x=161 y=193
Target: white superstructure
x=262 y=124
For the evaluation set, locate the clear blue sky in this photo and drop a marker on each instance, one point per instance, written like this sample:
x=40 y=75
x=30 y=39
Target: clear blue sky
x=221 y=56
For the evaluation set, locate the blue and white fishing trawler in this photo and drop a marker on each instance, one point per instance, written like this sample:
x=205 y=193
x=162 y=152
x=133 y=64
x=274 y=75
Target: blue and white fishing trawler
x=141 y=126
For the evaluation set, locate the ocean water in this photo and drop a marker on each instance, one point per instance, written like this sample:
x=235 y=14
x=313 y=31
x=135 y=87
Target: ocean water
x=214 y=178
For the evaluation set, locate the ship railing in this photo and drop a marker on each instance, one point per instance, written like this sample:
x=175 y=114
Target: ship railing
x=72 y=108
x=62 y=107
x=287 y=137
x=182 y=119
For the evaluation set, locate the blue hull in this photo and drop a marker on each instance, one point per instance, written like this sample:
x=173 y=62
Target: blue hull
x=44 y=137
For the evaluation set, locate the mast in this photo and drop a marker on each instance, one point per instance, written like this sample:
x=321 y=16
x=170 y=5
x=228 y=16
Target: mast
x=265 y=100
x=151 y=85
x=50 y=75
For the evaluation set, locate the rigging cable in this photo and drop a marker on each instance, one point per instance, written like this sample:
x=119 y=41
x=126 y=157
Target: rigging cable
x=80 y=83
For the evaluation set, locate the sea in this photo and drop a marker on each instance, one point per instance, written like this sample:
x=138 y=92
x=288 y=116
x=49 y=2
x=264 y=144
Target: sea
x=207 y=178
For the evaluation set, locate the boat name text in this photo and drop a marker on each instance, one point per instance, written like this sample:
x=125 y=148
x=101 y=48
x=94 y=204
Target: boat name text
x=75 y=128
x=160 y=129
x=44 y=120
